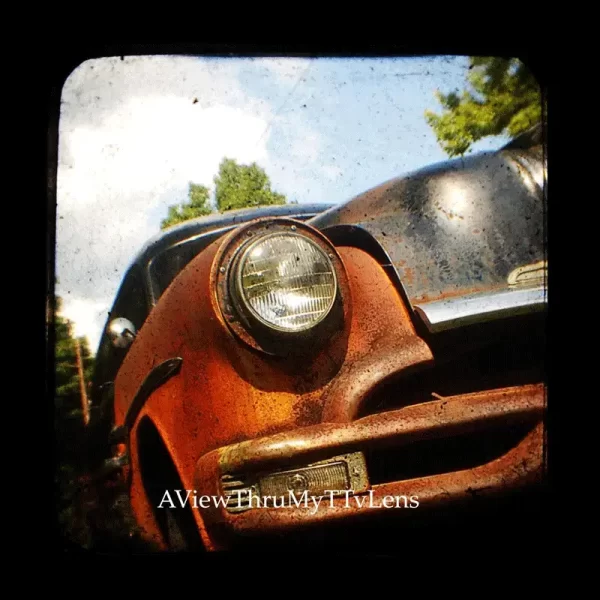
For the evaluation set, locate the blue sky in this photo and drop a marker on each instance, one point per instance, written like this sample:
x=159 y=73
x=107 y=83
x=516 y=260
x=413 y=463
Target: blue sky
x=370 y=116
x=133 y=133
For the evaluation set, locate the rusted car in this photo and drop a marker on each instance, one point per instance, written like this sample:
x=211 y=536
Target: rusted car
x=286 y=371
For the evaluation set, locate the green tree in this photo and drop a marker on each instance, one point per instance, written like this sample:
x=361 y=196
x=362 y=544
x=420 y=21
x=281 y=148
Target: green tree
x=67 y=390
x=242 y=186
x=501 y=97
x=197 y=206
x=70 y=451
x=236 y=186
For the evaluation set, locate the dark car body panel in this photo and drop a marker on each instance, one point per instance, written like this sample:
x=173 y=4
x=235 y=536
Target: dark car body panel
x=207 y=229
x=458 y=227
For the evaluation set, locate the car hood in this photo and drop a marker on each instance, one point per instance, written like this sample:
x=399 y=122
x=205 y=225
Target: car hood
x=459 y=227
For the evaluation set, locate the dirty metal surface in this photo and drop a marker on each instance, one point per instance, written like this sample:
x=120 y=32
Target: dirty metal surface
x=439 y=418
x=458 y=227
x=519 y=468
x=226 y=392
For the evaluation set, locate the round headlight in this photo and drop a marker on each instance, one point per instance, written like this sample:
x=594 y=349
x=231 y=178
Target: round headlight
x=286 y=281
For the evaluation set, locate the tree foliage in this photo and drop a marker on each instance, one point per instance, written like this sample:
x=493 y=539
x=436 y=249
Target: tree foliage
x=70 y=450
x=236 y=186
x=198 y=205
x=68 y=411
x=242 y=186
x=67 y=390
x=501 y=97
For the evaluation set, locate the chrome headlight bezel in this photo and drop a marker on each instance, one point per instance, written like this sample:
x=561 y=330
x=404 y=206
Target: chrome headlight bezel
x=245 y=322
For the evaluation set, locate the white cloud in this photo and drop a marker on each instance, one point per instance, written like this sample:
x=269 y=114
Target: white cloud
x=87 y=316
x=306 y=148
x=332 y=172
x=127 y=150
x=149 y=144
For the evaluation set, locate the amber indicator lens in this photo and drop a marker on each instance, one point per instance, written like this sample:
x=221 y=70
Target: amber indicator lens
x=287 y=281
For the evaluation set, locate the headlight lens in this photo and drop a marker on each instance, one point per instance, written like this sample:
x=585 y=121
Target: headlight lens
x=287 y=281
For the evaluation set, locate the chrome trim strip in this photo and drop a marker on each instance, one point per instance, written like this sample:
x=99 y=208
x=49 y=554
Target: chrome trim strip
x=536 y=170
x=452 y=313
x=157 y=377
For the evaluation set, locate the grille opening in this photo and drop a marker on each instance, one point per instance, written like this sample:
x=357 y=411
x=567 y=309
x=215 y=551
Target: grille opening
x=442 y=455
x=494 y=365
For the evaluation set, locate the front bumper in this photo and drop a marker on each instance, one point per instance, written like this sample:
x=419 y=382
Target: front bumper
x=522 y=465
